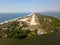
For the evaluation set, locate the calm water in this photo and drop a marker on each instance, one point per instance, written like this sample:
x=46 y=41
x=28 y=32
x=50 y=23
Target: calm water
x=9 y=16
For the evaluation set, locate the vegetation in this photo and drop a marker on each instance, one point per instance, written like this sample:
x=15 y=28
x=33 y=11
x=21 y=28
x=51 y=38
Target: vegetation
x=47 y=39
x=20 y=30
x=46 y=24
x=15 y=30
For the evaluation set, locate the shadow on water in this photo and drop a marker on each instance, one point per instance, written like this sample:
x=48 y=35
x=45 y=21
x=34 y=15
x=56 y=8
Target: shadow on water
x=58 y=37
x=50 y=39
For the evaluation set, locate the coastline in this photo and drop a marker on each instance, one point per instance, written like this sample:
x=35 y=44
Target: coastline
x=11 y=20
x=14 y=19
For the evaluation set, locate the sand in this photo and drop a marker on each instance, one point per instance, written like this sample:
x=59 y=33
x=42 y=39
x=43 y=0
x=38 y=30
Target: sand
x=33 y=20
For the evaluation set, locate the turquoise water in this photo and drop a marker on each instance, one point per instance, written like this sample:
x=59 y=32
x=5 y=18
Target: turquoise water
x=9 y=16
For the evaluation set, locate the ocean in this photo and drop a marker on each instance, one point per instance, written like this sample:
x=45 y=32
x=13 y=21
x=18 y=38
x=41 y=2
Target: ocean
x=10 y=16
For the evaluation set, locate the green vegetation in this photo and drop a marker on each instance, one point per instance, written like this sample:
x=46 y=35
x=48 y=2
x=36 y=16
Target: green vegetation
x=15 y=30
x=46 y=24
x=32 y=33
x=24 y=24
x=19 y=30
x=47 y=39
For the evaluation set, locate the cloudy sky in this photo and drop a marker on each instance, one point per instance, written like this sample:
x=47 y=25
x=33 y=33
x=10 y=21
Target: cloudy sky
x=29 y=5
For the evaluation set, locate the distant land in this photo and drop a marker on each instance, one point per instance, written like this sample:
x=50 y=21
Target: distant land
x=52 y=13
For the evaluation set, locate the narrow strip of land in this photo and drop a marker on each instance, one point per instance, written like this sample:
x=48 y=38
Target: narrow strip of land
x=33 y=22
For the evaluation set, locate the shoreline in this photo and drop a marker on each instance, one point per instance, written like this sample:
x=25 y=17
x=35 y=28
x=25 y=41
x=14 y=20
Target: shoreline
x=11 y=20
x=14 y=19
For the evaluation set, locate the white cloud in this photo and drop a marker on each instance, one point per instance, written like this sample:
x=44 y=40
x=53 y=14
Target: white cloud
x=54 y=9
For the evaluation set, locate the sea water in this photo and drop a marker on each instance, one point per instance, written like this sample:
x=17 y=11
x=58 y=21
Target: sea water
x=10 y=16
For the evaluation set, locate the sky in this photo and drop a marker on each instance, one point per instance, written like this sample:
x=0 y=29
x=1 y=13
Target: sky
x=29 y=5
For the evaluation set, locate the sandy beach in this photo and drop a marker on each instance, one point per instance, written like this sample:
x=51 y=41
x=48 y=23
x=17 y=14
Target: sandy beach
x=12 y=20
